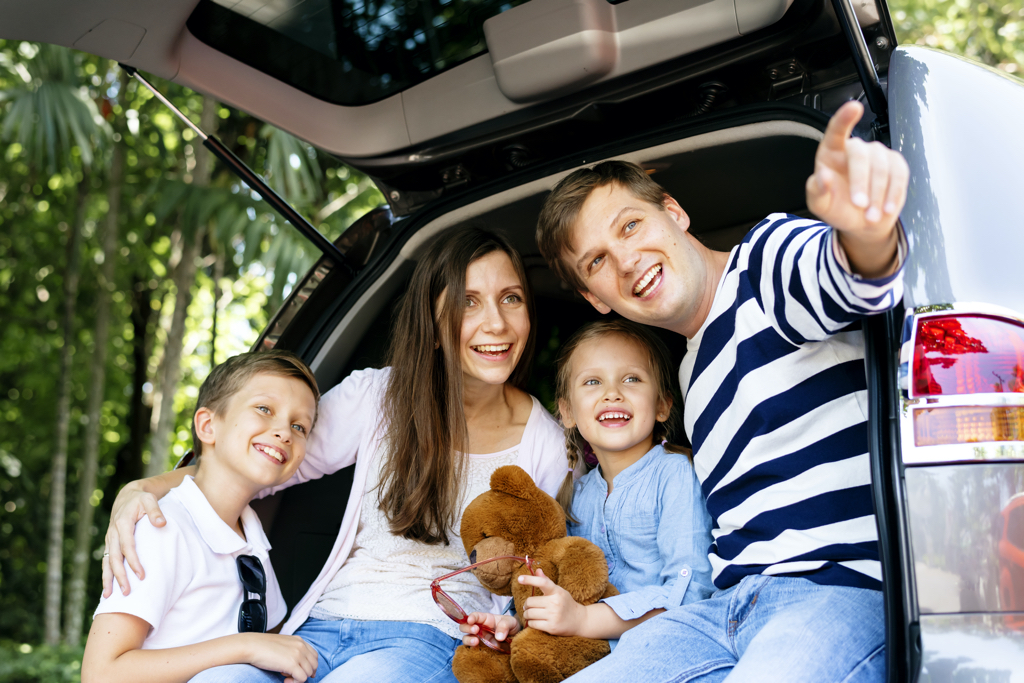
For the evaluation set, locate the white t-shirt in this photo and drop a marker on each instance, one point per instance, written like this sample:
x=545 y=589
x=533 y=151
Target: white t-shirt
x=349 y=431
x=192 y=592
x=386 y=577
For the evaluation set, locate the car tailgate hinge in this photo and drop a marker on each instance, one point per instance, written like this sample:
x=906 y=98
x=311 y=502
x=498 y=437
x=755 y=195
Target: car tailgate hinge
x=787 y=78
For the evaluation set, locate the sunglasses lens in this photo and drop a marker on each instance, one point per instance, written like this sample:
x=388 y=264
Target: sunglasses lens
x=250 y=572
x=449 y=607
x=487 y=638
x=252 y=617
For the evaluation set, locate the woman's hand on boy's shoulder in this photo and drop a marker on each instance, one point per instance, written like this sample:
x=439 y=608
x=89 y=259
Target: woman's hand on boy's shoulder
x=136 y=500
x=291 y=656
x=131 y=505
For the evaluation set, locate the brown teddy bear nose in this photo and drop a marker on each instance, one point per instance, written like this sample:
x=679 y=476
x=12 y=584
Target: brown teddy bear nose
x=472 y=557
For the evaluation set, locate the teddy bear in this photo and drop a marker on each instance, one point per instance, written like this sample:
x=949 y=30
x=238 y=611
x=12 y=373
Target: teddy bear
x=516 y=518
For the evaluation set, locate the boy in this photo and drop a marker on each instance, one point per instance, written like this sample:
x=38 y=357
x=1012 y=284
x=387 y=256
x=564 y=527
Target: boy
x=210 y=580
x=776 y=399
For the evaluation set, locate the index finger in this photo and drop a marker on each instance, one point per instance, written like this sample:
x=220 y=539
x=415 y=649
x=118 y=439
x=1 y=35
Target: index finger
x=540 y=581
x=108 y=576
x=124 y=549
x=151 y=509
x=840 y=126
x=482 y=618
x=115 y=560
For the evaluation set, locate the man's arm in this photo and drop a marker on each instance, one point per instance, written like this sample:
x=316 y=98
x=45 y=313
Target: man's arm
x=135 y=500
x=859 y=188
x=113 y=654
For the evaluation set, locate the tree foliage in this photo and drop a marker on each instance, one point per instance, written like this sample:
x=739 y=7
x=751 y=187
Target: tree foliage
x=990 y=32
x=246 y=265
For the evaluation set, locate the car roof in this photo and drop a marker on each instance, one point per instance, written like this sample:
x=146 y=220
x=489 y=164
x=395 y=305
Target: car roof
x=541 y=62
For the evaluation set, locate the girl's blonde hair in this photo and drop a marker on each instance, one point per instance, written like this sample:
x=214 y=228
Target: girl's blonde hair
x=661 y=369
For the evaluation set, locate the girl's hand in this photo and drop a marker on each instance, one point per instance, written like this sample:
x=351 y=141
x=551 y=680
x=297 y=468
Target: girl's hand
x=555 y=611
x=291 y=656
x=503 y=625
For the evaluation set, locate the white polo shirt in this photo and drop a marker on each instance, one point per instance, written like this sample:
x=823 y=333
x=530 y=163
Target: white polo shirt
x=192 y=592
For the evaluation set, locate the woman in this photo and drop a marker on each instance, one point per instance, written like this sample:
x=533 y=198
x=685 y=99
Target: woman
x=425 y=435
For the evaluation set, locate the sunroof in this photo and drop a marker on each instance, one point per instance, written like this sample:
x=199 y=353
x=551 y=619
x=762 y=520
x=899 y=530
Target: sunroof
x=348 y=52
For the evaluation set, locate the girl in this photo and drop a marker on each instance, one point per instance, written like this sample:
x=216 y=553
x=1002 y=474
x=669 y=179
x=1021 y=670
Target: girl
x=642 y=504
x=425 y=435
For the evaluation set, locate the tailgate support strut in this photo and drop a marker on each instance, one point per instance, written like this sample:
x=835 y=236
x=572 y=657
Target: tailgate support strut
x=250 y=178
x=862 y=59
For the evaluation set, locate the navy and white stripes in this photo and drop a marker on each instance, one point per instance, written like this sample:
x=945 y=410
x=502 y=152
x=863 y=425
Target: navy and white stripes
x=776 y=409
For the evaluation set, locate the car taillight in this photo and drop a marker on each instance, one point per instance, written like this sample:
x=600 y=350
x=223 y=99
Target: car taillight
x=968 y=424
x=968 y=354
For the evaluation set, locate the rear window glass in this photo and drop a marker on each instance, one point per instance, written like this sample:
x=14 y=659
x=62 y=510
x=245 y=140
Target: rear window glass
x=347 y=52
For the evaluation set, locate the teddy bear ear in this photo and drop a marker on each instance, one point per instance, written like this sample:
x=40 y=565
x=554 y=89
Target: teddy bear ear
x=514 y=481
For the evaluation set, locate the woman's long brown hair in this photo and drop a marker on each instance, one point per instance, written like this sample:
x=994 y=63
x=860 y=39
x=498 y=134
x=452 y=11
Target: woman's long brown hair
x=421 y=475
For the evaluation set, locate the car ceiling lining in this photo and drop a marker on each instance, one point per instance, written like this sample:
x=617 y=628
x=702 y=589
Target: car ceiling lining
x=793 y=142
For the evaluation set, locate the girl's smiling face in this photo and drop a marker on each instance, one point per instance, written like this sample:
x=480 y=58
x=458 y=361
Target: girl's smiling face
x=614 y=396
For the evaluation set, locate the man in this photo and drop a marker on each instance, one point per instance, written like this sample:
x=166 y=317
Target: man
x=775 y=405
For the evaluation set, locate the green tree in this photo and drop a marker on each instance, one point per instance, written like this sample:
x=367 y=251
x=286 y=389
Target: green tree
x=990 y=32
x=49 y=118
x=75 y=609
x=188 y=242
x=53 y=213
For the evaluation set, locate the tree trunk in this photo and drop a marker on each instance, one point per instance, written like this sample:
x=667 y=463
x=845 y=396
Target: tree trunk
x=184 y=277
x=74 y=614
x=128 y=465
x=218 y=273
x=58 y=472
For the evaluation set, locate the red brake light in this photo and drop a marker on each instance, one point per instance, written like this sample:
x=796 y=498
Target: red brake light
x=968 y=354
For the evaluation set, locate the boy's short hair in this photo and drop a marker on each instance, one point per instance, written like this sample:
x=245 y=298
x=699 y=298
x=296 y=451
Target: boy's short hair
x=562 y=208
x=228 y=378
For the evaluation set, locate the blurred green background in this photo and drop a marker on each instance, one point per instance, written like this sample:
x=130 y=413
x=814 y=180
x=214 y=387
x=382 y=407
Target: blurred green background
x=113 y=222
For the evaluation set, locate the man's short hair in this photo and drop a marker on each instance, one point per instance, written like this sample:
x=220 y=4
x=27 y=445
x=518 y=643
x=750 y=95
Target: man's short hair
x=228 y=378
x=562 y=207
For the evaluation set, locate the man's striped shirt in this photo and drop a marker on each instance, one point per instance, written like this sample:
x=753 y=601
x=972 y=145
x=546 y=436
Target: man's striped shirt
x=776 y=409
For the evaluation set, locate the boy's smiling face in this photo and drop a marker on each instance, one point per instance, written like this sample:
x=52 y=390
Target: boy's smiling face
x=261 y=434
x=637 y=258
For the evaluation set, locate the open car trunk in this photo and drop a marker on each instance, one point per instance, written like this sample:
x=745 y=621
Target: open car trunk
x=727 y=180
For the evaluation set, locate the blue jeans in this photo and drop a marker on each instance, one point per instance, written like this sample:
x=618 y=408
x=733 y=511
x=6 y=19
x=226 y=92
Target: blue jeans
x=764 y=629
x=364 y=651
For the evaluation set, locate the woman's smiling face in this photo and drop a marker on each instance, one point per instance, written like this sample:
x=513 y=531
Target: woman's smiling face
x=495 y=322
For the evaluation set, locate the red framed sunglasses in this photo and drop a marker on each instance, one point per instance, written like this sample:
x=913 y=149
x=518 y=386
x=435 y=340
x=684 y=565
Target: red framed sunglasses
x=458 y=615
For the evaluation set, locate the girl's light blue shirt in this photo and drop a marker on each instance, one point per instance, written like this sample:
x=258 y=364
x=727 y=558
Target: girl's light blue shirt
x=654 y=529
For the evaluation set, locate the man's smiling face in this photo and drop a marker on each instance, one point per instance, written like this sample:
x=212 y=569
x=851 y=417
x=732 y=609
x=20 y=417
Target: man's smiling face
x=637 y=259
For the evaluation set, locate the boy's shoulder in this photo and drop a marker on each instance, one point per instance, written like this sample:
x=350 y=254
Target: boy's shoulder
x=167 y=553
x=191 y=529
x=179 y=511
x=178 y=523
x=176 y=537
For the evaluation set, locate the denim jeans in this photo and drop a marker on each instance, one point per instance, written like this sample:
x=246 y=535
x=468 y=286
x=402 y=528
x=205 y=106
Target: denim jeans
x=764 y=629
x=364 y=651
